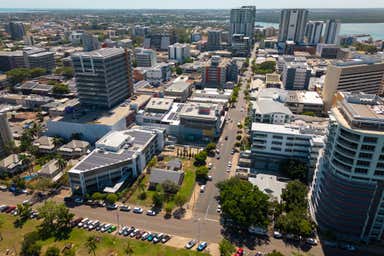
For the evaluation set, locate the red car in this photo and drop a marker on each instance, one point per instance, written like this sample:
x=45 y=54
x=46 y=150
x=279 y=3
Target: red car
x=10 y=209
x=239 y=252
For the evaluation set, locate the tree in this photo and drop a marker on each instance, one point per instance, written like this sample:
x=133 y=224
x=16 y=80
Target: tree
x=52 y=251
x=36 y=72
x=200 y=158
x=91 y=244
x=111 y=198
x=97 y=196
x=61 y=163
x=243 y=203
x=170 y=187
x=180 y=200
x=274 y=253
x=152 y=162
x=226 y=248
x=294 y=169
x=56 y=219
x=295 y=222
x=158 y=199
x=19 y=182
x=36 y=129
x=295 y=196
x=202 y=173
x=60 y=88
x=30 y=246
x=210 y=147
x=179 y=70
x=18 y=75
x=24 y=211
x=168 y=210
x=128 y=250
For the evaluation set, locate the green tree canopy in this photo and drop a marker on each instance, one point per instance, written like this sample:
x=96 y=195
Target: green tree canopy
x=226 y=248
x=243 y=203
x=202 y=173
x=52 y=251
x=56 y=219
x=200 y=158
x=111 y=198
x=294 y=169
x=295 y=196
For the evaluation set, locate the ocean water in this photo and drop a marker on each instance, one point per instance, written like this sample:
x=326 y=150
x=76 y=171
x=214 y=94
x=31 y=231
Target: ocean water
x=376 y=30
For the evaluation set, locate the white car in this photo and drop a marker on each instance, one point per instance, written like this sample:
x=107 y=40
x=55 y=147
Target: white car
x=210 y=165
x=151 y=213
x=277 y=235
x=210 y=178
x=138 y=210
x=202 y=189
x=311 y=241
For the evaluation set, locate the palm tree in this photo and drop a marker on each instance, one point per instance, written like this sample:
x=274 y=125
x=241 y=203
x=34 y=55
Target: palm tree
x=91 y=244
x=61 y=163
x=128 y=249
x=37 y=128
x=57 y=141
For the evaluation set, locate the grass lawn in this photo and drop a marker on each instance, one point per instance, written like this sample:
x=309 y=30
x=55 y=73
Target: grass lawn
x=108 y=245
x=186 y=188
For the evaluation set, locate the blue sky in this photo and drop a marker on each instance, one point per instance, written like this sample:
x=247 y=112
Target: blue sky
x=183 y=4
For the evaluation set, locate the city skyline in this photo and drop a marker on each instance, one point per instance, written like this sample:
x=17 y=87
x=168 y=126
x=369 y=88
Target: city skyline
x=174 y=4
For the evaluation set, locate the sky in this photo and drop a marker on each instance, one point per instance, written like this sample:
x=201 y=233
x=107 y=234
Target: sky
x=183 y=4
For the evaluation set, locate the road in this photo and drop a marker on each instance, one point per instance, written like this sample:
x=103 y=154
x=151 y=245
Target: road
x=206 y=206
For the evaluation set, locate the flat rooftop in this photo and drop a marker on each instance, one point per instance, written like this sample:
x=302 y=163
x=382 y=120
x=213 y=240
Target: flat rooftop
x=103 y=117
x=100 y=53
x=99 y=158
x=160 y=104
x=306 y=97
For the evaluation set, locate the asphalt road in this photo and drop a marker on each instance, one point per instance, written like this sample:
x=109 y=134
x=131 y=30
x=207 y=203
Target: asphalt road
x=206 y=206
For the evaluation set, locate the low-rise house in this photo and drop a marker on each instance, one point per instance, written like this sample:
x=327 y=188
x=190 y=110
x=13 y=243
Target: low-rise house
x=159 y=176
x=12 y=164
x=45 y=144
x=75 y=148
x=51 y=170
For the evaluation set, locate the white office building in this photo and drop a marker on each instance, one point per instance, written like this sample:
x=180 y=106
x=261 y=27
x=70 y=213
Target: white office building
x=118 y=157
x=332 y=31
x=272 y=143
x=292 y=25
x=314 y=31
x=179 y=52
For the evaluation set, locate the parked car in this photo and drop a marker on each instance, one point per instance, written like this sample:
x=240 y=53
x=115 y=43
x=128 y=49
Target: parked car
x=75 y=222
x=277 y=235
x=102 y=225
x=79 y=200
x=151 y=236
x=3 y=207
x=125 y=208
x=10 y=209
x=311 y=241
x=158 y=238
x=111 y=206
x=165 y=238
x=139 y=234
x=105 y=228
x=210 y=178
x=112 y=228
x=239 y=252
x=145 y=236
x=82 y=222
x=202 y=246
x=138 y=210
x=202 y=189
x=121 y=231
x=134 y=232
x=3 y=188
x=151 y=213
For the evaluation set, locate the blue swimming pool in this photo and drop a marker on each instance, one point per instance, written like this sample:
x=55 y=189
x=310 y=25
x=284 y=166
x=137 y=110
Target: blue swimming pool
x=30 y=177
